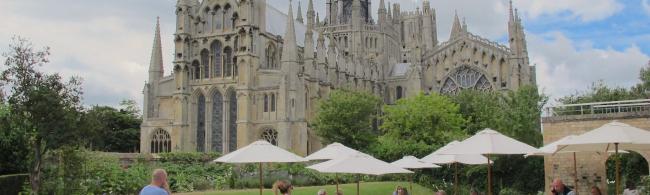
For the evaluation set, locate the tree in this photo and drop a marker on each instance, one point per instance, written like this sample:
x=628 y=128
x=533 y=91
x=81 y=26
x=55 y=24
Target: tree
x=418 y=125
x=42 y=106
x=116 y=130
x=347 y=117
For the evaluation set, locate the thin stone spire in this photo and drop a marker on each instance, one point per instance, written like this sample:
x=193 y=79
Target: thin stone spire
x=457 y=28
x=156 y=64
x=512 y=18
x=299 y=16
x=289 y=50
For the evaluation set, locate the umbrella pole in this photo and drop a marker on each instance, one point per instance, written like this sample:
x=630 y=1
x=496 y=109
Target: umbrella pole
x=489 y=188
x=411 y=184
x=261 y=182
x=358 y=181
x=618 y=168
x=575 y=173
x=337 y=182
x=456 y=187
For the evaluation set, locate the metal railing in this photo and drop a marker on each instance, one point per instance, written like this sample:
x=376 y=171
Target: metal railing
x=598 y=108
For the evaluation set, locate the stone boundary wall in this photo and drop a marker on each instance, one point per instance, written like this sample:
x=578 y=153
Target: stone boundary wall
x=590 y=166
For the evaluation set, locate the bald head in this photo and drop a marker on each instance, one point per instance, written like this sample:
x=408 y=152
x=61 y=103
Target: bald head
x=158 y=177
x=558 y=185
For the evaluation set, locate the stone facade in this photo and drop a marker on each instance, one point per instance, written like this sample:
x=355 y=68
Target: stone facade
x=591 y=167
x=244 y=71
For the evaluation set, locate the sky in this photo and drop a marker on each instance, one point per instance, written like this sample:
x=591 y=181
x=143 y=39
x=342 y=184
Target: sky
x=108 y=43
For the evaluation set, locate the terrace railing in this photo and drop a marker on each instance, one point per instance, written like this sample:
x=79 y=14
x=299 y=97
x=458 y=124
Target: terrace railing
x=598 y=108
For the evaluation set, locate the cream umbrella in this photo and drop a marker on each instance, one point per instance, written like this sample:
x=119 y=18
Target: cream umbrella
x=490 y=142
x=260 y=152
x=468 y=159
x=358 y=164
x=333 y=151
x=411 y=162
x=611 y=135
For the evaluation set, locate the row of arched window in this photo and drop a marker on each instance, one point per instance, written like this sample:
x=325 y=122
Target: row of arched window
x=218 y=62
x=371 y=42
x=217 y=18
x=218 y=117
x=270 y=101
x=271 y=56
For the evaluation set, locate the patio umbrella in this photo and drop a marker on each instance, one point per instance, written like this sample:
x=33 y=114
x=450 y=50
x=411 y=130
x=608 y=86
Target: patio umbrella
x=455 y=159
x=490 y=142
x=333 y=151
x=611 y=135
x=260 y=152
x=411 y=162
x=358 y=164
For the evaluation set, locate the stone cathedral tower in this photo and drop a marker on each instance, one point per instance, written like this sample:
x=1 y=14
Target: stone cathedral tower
x=244 y=71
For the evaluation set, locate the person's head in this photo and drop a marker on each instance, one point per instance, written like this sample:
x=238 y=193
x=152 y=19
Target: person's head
x=558 y=185
x=322 y=192
x=159 y=177
x=595 y=191
x=441 y=192
x=283 y=186
x=474 y=192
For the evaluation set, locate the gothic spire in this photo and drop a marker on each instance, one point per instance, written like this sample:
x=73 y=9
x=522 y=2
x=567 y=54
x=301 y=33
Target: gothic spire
x=289 y=46
x=456 y=29
x=512 y=18
x=309 y=33
x=156 y=64
x=299 y=14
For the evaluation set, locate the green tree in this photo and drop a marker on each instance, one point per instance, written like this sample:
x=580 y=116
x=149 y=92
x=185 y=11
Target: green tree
x=348 y=117
x=42 y=106
x=116 y=130
x=418 y=125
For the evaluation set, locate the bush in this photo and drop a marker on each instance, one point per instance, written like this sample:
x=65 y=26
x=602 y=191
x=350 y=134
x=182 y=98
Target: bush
x=12 y=184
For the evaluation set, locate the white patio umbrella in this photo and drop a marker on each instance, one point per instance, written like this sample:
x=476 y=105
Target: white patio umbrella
x=358 y=164
x=333 y=151
x=611 y=135
x=490 y=142
x=552 y=148
x=455 y=159
x=260 y=152
x=411 y=162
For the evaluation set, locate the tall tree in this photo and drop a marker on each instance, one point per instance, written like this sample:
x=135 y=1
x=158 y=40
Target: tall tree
x=42 y=106
x=115 y=130
x=348 y=117
x=418 y=125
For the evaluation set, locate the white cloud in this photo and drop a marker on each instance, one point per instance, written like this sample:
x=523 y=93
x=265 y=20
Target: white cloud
x=585 y=10
x=563 y=67
x=646 y=6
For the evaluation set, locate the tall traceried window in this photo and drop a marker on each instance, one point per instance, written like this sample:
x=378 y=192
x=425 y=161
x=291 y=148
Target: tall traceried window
x=217 y=122
x=271 y=56
x=227 y=61
x=208 y=20
x=232 y=121
x=205 y=63
x=227 y=17
x=161 y=142
x=200 y=123
x=272 y=102
x=218 y=15
x=196 y=70
x=270 y=135
x=266 y=103
x=215 y=58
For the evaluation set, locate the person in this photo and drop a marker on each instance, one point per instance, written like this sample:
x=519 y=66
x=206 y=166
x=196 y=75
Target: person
x=159 y=184
x=474 y=192
x=630 y=188
x=322 y=192
x=441 y=192
x=595 y=191
x=284 y=187
x=558 y=188
x=398 y=190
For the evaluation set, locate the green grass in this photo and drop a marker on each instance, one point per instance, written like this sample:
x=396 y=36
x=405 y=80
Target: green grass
x=373 y=188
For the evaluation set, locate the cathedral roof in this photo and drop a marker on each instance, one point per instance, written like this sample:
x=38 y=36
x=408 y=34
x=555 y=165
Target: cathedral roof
x=276 y=23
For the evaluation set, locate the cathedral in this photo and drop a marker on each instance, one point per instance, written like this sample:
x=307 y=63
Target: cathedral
x=245 y=71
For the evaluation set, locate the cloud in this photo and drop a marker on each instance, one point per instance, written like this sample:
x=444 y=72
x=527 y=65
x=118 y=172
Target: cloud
x=646 y=6
x=584 y=10
x=564 y=66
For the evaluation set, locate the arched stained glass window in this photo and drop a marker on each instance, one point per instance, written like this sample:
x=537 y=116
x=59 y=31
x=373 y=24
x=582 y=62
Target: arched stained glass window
x=200 y=123
x=217 y=122
x=205 y=59
x=232 y=121
x=215 y=56
x=465 y=78
x=227 y=61
x=161 y=142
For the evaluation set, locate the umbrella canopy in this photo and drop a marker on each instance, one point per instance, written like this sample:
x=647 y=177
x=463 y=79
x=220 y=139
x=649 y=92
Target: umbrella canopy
x=260 y=151
x=358 y=164
x=468 y=159
x=411 y=162
x=332 y=151
x=605 y=137
x=490 y=141
x=552 y=148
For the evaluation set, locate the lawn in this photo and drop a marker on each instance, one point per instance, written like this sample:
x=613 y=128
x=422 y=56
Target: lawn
x=373 y=188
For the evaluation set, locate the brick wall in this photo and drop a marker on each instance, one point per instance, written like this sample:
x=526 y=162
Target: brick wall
x=590 y=166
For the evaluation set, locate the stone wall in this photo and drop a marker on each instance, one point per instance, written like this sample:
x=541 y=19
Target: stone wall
x=591 y=168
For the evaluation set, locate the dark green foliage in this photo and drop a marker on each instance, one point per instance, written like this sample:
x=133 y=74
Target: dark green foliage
x=116 y=130
x=12 y=184
x=418 y=125
x=347 y=117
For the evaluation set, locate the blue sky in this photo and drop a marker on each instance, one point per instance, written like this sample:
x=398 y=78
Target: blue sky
x=108 y=43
